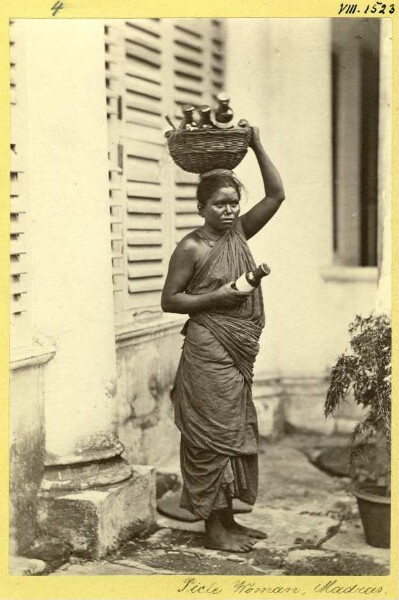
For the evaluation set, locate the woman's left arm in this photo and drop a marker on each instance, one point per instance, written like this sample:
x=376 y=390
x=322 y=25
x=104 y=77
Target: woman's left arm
x=263 y=211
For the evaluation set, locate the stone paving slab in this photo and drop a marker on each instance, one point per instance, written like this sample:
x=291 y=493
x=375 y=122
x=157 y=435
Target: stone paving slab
x=311 y=520
x=350 y=538
x=287 y=528
x=167 y=523
x=20 y=565
x=101 y=568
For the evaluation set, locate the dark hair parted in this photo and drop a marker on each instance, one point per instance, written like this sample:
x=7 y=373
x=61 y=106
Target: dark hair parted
x=211 y=184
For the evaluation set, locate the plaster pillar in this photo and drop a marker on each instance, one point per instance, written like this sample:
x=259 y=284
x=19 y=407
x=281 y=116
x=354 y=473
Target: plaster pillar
x=71 y=262
x=71 y=274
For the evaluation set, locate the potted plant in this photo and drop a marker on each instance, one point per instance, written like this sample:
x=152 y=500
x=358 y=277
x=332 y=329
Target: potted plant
x=365 y=370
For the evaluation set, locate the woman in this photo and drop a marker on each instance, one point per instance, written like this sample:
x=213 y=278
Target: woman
x=212 y=395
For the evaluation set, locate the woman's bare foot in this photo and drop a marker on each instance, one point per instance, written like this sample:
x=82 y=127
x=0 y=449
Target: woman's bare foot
x=217 y=537
x=247 y=531
x=229 y=523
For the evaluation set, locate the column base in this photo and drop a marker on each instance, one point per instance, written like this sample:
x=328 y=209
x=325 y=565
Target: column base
x=95 y=521
x=83 y=476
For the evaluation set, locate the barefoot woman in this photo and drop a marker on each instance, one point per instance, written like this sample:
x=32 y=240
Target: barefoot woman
x=212 y=396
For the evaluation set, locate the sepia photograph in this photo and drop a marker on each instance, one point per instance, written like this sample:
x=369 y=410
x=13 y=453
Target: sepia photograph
x=200 y=269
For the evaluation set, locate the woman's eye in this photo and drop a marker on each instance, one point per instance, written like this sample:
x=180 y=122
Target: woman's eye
x=219 y=205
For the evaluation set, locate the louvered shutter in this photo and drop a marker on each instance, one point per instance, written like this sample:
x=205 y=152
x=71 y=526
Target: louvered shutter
x=19 y=282
x=198 y=51
x=153 y=67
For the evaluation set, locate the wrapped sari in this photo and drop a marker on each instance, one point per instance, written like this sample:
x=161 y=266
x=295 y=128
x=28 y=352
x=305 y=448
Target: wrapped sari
x=212 y=395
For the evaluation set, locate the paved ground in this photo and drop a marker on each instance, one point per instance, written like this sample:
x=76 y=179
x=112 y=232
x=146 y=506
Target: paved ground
x=311 y=520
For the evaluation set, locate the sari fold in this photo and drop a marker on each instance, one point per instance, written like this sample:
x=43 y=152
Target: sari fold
x=212 y=395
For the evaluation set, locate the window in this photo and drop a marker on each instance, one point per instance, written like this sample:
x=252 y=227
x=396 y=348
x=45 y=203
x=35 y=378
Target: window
x=355 y=80
x=153 y=67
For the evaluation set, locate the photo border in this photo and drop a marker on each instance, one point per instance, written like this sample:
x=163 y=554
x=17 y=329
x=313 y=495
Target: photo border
x=167 y=586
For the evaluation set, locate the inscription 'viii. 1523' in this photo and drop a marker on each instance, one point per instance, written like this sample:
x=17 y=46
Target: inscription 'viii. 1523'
x=378 y=8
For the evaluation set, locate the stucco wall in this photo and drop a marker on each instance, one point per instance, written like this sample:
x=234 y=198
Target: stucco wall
x=284 y=87
x=146 y=368
x=27 y=447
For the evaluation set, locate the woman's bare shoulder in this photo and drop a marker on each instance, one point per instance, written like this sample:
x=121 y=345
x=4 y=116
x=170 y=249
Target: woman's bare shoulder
x=189 y=246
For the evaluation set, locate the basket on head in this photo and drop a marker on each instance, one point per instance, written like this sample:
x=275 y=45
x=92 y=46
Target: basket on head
x=199 y=151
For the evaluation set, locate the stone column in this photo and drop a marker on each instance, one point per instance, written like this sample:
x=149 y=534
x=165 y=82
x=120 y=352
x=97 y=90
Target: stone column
x=72 y=283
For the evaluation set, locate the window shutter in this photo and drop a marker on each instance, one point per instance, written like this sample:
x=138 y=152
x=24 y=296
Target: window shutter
x=19 y=287
x=198 y=78
x=153 y=67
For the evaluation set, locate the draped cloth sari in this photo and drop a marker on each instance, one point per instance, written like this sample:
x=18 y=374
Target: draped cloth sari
x=212 y=395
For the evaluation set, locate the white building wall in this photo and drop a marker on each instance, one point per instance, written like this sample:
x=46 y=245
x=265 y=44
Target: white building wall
x=279 y=78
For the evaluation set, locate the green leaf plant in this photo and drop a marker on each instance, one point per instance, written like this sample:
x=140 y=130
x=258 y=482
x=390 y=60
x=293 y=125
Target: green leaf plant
x=364 y=370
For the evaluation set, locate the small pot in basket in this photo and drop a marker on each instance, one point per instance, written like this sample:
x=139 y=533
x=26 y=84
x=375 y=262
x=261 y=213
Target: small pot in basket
x=199 y=151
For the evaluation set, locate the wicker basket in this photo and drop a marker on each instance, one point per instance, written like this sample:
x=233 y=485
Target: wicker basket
x=199 y=151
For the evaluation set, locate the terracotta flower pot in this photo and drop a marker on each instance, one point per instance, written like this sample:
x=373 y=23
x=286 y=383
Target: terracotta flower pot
x=375 y=513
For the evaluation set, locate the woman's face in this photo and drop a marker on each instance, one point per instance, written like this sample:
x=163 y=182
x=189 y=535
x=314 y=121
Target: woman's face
x=222 y=209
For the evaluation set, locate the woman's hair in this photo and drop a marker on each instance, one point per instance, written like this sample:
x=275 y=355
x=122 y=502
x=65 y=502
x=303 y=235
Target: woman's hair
x=209 y=184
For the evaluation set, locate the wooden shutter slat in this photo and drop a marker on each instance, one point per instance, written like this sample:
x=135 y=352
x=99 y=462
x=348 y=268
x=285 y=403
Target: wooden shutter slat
x=152 y=284
x=144 y=253
x=145 y=88
x=146 y=222
x=143 y=25
x=138 y=169
x=187 y=98
x=140 y=132
x=14 y=184
x=186 y=206
x=143 y=118
x=18 y=284
x=187 y=221
x=189 y=55
x=144 y=238
x=183 y=37
x=143 y=190
x=18 y=267
x=136 y=71
x=143 y=150
x=145 y=269
x=144 y=104
x=17 y=247
x=185 y=177
x=188 y=190
x=18 y=303
x=16 y=206
x=16 y=227
x=185 y=75
x=144 y=206
x=137 y=37
x=143 y=55
x=190 y=26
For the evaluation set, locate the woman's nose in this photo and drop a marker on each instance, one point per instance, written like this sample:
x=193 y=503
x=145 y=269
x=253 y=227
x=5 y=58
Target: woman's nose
x=228 y=208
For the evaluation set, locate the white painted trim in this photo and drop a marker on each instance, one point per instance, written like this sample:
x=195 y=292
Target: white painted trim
x=153 y=328
x=345 y=274
x=32 y=356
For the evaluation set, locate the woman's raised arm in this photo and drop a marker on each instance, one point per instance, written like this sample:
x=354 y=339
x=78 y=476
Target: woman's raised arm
x=264 y=210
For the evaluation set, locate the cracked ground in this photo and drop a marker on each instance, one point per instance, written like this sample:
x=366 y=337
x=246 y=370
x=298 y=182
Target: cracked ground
x=310 y=517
